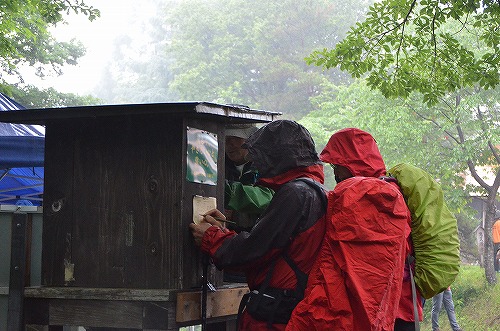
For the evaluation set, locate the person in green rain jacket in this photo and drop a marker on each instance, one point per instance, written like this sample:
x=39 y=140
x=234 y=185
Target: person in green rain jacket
x=243 y=200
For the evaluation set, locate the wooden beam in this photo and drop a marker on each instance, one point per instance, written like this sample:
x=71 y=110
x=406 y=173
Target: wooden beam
x=96 y=313
x=124 y=294
x=223 y=302
x=101 y=313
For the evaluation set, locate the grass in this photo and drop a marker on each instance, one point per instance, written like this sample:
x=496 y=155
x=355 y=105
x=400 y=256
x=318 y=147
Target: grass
x=477 y=305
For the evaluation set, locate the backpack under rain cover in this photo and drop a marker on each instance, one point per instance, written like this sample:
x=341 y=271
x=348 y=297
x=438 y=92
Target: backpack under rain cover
x=433 y=230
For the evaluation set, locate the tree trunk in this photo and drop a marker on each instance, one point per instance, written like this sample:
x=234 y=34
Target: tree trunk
x=489 y=268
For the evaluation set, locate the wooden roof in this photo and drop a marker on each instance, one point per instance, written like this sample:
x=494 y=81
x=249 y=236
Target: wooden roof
x=233 y=113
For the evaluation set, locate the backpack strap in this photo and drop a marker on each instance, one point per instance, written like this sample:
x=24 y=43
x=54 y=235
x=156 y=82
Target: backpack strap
x=409 y=260
x=389 y=179
x=299 y=275
x=320 y=188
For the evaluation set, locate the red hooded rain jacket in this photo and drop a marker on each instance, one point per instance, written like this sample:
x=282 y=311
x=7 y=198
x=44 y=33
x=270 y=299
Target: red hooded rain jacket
x=356 y=282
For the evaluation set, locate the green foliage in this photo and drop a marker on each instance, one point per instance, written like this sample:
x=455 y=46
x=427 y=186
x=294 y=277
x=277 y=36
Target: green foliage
x=469 y=285
x=25 y=39
x=252 y=52
x=398 y=131
x=439 y=139
x=31 y=97
x=433 y=46
x=467 y=223
x=476 y=303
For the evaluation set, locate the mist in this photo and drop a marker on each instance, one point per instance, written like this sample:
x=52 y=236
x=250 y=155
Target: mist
x=215 y=51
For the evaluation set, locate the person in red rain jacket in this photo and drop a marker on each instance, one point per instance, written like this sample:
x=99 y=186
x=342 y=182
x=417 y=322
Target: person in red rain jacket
x=357 y=281
x=285 y=241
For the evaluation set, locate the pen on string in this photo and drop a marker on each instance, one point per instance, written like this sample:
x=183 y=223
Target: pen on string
x=219 y=219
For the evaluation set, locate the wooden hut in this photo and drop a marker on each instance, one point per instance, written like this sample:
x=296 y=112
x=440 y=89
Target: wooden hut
x=122 y=183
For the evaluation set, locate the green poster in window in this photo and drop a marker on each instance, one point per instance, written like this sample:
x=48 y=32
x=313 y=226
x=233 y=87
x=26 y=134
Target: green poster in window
x=202 y=152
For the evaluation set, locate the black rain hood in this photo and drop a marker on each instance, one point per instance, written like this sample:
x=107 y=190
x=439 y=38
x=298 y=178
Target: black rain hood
x=280 y=146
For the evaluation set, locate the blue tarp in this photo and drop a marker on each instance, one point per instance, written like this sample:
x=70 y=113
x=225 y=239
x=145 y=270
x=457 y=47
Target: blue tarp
x=21 y=159
x=20 y=151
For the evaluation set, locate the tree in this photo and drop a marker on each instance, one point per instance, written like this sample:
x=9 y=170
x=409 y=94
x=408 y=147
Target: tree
x=458 y=135
x=26 y=40
x=252 y=52
x=446 y=53
x=407 y=45
x=32 y=97
x=401 y=135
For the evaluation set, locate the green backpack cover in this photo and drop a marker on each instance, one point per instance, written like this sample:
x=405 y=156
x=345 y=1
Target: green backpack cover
x=433 y=230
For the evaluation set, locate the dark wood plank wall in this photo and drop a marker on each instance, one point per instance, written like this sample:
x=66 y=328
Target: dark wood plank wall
x=57 y=202
x=117 y=205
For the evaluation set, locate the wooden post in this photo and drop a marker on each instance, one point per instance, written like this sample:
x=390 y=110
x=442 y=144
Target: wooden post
x=15 y=319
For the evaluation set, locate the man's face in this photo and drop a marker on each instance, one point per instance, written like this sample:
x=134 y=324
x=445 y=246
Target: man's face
x=234 y=151
x=341 y=173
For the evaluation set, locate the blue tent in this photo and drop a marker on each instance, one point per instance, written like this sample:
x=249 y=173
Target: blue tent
x=21 y=159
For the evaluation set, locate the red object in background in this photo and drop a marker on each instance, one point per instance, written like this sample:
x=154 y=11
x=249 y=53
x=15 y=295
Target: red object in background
x=496 y=232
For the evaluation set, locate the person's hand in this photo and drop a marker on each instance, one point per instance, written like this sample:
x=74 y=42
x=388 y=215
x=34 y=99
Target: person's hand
x=198 y=230
x=213 y=215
